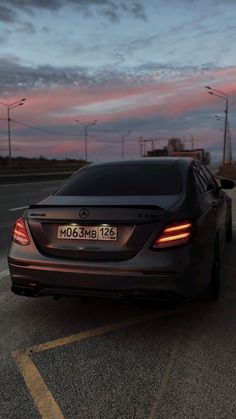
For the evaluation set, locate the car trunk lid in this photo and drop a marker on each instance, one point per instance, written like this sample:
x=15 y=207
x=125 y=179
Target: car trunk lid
x=75 y=227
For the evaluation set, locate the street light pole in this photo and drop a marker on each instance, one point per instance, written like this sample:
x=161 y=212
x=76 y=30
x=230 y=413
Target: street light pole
x=123 y=146
x=9 y=135
x=141 y=146
x=9 y=108
x=123 y=143
x=229 y=148
x=86 y=142
x=225 y=131
x=224 y=96
x=86 y=126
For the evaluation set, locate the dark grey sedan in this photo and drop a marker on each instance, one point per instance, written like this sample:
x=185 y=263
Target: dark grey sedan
x=153 y=228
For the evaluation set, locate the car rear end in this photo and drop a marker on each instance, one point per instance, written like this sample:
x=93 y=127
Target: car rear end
x=117 y=230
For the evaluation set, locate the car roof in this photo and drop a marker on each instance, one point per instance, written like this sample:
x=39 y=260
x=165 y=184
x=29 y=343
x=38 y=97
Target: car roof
x=180 y=161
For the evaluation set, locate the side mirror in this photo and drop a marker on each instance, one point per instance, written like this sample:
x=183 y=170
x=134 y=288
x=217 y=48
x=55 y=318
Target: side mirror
x=227 y=184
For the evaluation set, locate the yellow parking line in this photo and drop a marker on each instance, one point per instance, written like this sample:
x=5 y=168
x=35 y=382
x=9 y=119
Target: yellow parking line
x=45 y=403
x=99 y=331
x=43 y=399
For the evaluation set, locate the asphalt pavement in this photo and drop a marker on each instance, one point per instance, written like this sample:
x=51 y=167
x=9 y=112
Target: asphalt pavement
x=69 y=359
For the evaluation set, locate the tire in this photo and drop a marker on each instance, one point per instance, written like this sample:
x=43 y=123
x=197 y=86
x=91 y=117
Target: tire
x=229 y=230
x=214 y=287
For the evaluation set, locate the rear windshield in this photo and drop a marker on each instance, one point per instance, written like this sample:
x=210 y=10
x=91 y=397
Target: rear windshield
x=145 y=179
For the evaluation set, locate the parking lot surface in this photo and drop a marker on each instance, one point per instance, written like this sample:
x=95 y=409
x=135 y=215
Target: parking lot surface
x=96 y=359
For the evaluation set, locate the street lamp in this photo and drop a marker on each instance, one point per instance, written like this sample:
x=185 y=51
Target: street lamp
x=9 y=107
x=229 y=148
x=123 y=143
x=86 y=126
x=224 y=96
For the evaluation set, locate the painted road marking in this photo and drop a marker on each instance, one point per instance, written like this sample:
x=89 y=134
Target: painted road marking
x=41 y=395
x=4 y=273
x=99 y=331
x=19 y=208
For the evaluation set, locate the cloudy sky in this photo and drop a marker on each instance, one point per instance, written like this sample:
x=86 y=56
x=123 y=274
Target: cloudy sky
x=137 y=67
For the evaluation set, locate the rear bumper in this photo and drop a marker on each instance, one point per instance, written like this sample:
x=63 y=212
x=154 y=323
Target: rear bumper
x=37 y=280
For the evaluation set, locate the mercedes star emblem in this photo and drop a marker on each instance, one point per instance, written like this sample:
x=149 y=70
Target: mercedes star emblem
x=84 y=213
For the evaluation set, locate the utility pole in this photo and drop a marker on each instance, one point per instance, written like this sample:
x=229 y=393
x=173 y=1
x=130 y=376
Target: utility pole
x=123 y=146
x=193 y=141
x=86 y=141
x=86 y=126
x=146 y=140
x=9 y=135
x=224 y=96
x=141 y=146
x=9 y=107
x=229 y=145
x=123 y=142
x=150 y=140
x=225 y=130
x=228 y=151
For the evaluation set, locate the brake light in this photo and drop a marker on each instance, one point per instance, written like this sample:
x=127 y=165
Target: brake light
x=20 y=234
x=174 y=235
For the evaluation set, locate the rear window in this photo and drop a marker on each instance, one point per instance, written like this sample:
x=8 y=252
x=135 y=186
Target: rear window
x=123 y=180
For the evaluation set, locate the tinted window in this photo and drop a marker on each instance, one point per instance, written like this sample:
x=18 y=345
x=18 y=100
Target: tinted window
x=144 y=179
x=211 y=181
x=201 y=176
x=198 y=180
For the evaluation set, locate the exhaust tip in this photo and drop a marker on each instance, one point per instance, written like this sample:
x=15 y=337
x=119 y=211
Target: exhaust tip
x=25 y=291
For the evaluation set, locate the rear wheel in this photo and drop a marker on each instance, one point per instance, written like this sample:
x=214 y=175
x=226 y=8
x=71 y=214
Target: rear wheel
x=214 y=287
x=229 y=230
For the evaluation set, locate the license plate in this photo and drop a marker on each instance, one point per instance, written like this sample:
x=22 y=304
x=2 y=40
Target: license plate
x=87 y=232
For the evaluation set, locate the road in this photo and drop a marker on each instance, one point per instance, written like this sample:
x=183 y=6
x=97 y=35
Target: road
x=70 y=359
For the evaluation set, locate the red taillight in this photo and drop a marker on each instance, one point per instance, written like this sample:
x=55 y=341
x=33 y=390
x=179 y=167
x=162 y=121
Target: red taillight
x=20 y=234
x=174 y=234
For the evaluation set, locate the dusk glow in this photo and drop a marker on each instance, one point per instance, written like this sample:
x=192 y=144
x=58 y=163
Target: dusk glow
x=129 y=65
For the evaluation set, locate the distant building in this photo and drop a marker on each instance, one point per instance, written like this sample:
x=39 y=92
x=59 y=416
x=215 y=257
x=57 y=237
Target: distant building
x=174 y=144
x=161 y=152
x=175 y=148
x=199 y=154
x=207 y=158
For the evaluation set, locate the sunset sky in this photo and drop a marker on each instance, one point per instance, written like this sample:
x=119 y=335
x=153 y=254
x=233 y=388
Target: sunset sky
x=137 y=67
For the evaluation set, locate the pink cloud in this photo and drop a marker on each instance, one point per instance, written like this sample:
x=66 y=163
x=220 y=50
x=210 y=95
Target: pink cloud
x=57 y=109
x=175 y=97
